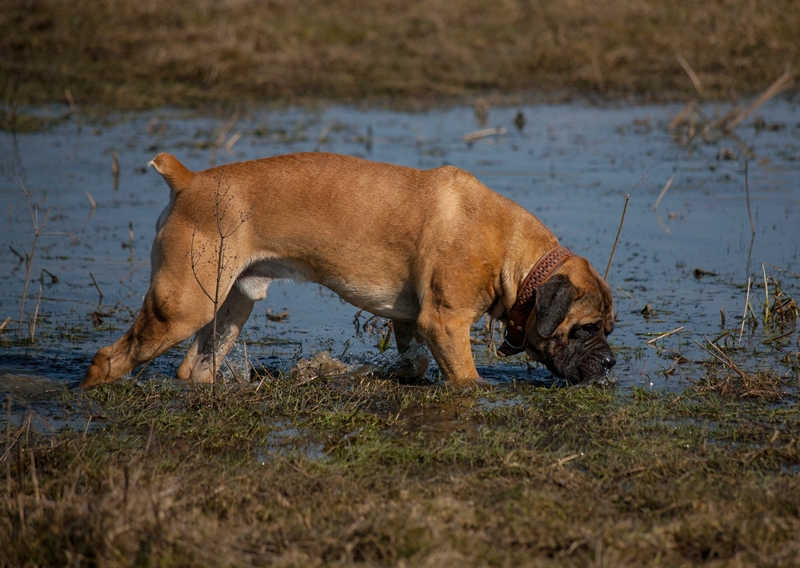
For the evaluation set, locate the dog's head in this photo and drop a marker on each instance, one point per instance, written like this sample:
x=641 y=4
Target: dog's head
x=572 y=316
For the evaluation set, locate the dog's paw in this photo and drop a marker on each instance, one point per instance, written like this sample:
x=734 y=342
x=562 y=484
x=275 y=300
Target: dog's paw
x=99 y=371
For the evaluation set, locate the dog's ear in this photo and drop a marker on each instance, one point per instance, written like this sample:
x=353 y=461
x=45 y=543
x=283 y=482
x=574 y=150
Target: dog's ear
x=553 y=299
x=608 y=300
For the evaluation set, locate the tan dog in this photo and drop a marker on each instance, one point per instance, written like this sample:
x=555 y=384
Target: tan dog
x=431 y=250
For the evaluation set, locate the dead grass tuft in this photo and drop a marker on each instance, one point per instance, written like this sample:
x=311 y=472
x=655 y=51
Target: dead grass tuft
x=768 y=386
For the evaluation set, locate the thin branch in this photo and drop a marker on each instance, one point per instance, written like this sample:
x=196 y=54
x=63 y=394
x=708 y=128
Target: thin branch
x=690 y=72
x=37 y=232
x=36 y=314
x=663 y=191
x=97 y=286
x=747 y=193
x=224 y=134
x=780 y=85
x=722 y=358
x=645 y=176
x=663 y=335
x=744 y=315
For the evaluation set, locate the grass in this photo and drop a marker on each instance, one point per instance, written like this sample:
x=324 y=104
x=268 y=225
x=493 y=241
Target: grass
x=150 y=54
x=346 y=470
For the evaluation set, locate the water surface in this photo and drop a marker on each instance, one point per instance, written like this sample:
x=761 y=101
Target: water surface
x=572 y=165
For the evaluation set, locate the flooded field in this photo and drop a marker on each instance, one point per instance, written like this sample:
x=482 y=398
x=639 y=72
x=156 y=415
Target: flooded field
x=681 y=268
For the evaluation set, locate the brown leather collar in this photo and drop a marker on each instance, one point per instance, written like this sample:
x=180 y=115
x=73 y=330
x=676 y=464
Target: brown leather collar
x=514 y=340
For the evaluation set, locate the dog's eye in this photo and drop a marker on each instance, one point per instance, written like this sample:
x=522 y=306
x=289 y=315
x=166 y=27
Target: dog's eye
x=584 y=331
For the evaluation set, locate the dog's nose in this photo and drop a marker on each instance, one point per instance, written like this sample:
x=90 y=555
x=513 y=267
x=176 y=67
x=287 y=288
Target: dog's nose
x=608 y=360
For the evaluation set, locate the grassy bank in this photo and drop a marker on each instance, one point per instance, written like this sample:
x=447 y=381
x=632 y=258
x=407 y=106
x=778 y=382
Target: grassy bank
x=339 y=472
x=150 y=54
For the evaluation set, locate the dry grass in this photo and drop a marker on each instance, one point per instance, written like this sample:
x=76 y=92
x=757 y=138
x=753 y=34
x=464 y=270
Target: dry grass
x=345 y=471
x=145 y=54
x=768 y=386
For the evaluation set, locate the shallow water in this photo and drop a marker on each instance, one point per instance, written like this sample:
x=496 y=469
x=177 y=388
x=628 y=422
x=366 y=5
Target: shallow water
x=571 y=165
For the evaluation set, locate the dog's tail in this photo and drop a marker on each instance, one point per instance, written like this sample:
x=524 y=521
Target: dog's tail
x=174 y=173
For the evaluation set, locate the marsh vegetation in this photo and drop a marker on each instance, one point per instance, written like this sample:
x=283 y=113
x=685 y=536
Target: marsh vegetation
x=151 y=54
x=307 y=452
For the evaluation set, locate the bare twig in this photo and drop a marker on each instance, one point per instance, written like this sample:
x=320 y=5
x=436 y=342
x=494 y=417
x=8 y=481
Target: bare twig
x=246 y=362
x=223 y=134
x=722 y=358
x=747 y=193
x=478 y=134
x=222 y=202
x=9 y=444
x=562 y=461
x=35 y=480
x=663 y=191
x=38 y=229
x=598 y=73
x=53 y=277
x=621 y=221
x=132 y=271
x=231 y=141
x=663 y=335
x=19 y=256
x=115 y=169
x=766 y=294
x=744 y=315
x=690 y=121
x=627 y=294
x=92 y=203
x=492 y=324
x=681 y=117
x=780 y=85
x=481 y=108
x=71 y=100
x=325 y=131
x=690 y=72
x=735 y=111
x=36 y=314
x=73 y=109
x=99 y=291
x=233 y=373
x=782 y=270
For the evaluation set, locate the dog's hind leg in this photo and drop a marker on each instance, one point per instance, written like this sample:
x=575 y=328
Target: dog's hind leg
x=404 y=333
x=413 y=361
x=198 y=365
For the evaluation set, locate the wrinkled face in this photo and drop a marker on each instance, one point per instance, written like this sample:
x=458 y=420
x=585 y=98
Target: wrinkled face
x=571 y=319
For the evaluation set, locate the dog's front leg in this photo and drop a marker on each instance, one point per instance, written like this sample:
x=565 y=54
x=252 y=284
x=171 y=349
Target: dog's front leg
x=198 y=365
x=166 y=318
x=447 y=335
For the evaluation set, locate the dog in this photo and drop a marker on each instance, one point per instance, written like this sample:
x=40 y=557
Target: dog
x=431 y=250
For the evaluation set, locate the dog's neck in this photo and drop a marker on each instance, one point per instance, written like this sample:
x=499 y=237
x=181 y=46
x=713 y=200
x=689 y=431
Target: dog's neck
x=517 y=316
x=523 y=255
x=526 y=253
